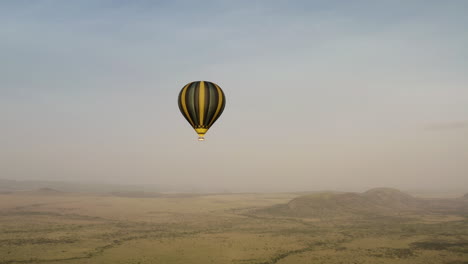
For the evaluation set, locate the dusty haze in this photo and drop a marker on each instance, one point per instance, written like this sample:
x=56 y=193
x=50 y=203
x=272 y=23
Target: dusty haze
x=319 y=96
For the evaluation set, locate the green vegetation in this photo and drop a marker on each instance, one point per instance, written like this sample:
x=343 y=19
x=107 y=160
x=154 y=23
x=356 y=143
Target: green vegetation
x=57 y=227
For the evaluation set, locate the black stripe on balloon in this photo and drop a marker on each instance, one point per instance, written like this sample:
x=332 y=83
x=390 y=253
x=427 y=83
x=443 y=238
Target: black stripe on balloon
x=196 y=99
x=222 y=107
x=179 y=101
x=207 y=103
x=190 y=102
x=208 y=98
x=211 y=102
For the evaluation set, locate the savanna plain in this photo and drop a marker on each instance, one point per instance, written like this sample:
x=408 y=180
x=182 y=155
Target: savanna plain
x=377 y=226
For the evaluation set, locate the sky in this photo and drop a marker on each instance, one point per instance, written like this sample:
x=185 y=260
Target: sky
x=321 y=95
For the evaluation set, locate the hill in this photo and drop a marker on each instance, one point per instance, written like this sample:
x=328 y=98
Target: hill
x=378 y=201
x=45 y=191
x=137 y=194
x=34 y=186
x=7 y=186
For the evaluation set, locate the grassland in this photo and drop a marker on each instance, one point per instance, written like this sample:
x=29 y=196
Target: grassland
x=54 y=227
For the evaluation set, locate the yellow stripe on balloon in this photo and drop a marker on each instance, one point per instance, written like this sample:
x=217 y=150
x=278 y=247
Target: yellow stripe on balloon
x=201 y=101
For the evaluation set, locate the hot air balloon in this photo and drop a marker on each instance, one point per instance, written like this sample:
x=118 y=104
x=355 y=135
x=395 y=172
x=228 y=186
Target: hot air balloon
x=201 y=103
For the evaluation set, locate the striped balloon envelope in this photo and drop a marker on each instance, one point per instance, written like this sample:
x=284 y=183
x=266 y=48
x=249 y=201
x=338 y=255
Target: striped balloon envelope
x=201 y=103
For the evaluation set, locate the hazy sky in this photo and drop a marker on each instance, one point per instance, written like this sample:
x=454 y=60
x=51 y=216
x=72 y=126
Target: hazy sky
x=320 y=94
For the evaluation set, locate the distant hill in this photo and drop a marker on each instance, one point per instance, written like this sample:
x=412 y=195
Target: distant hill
x=7 y=186
x=392 y=198
x=40 y=191
x=44 y=186
x=137 y=194
x=378 y=201
x=47 y=191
